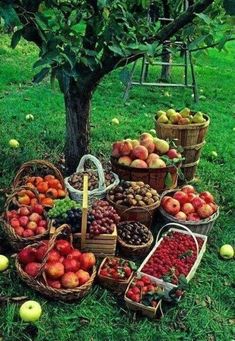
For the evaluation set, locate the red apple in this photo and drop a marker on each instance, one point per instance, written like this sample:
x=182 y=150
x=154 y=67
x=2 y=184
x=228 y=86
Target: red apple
x=83 y=276
x=172 y=154
x=69 y=280
x=205 y=211
x=19 y=230
x=53 y=256
x=212 y=205
x=42 y=223
x=27 y=255
x=188 y=208
x=164 y=199
x=32 y=269
x=35 y=217
x=188 y=189
x=23 y=220
x=74 y=254
x=191 y=196
x=37 y=208
x=87 y=260
x=15 y=223
x=41 y=251
x=28 y=233
x=171 y=206
x=63 y=246
x=181 y=196
x=23 y=211
x=54 y=283
x=54 y=269
x=32 y=225
x=207 y=196
x=197 y=202
x=181 y=216
x=193 y=217
x=71 y=265
x=40 y=230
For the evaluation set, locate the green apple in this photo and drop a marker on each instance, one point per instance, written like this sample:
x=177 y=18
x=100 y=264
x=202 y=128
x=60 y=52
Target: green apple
x=29 y=117
x=152 y=131
x=115 y=121
x=14 y=143
x=30 y=311
x=214 y=154
x=226 y=251
x=4 y=262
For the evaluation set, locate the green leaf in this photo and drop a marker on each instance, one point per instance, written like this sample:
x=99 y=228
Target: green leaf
x=16 y=38
x=204 y=17
x=41 y=75
x=168 y=180
x=9 y=15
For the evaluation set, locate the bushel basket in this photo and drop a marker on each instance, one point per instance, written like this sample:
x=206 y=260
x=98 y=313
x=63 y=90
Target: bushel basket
x=39 y=282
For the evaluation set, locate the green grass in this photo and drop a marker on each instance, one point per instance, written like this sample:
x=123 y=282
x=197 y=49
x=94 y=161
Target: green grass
x=207 y=311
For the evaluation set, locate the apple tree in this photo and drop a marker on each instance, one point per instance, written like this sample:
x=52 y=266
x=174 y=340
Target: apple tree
x=81 y=41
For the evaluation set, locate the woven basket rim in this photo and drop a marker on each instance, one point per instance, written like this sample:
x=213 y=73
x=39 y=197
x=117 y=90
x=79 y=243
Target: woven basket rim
x=186 y=126
x=135 y=247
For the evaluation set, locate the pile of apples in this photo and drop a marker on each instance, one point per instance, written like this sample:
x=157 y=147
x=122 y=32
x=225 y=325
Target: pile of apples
x=146 y=152
x=48 y=187
x=27 y=221
x=65 y=267
x=183 y=117
x=188 y=205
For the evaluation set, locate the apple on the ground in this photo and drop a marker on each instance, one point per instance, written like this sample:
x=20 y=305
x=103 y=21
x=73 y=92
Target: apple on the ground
x=30 y=311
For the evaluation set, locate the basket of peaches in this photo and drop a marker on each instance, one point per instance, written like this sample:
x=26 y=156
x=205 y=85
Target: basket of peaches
x=42 y=176
x=55 y=268
x=21 y=224
x=197 y=211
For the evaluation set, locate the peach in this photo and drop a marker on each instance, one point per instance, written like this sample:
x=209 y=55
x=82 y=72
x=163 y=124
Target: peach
x=145 y=136
x=139 y=164
x=152 y=157
x=140 y=152
x=148 y=144
x=125 y=160
x=116 y=149
x=125 y=148
x=157 y=163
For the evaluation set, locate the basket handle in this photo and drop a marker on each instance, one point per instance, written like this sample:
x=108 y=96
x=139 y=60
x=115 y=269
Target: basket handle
x=139 y=208
x=51 y=244
x=99 y=167
x=183 y=227
x=31 y=163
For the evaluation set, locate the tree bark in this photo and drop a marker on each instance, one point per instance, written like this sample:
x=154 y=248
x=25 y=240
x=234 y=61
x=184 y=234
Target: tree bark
x=77 y=105
x=166 y=69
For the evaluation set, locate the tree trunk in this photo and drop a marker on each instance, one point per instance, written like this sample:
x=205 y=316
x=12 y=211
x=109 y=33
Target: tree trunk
x=77 y=105
x=166 y=69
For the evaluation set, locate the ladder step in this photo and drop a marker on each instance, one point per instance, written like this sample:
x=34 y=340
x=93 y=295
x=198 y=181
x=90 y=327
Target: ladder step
x=165 y=63
x=163 y=84
x=166 y=19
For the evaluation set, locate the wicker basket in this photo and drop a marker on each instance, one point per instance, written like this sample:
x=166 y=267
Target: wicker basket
x=134 y=251
x=17 y=242
x=190 y=137
x=156 y=177
x=144 y=215
x=39 y=283
x=117 y=286
x=95 y=194
x=36 y=168
x=202 y=227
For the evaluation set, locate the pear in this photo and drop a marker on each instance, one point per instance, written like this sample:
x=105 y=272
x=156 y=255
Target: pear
x=185 y=112
x=174 y=119
x=162 y=146
x=170 y=112
x=198 y=118
x=162 y=119
x=160 y=112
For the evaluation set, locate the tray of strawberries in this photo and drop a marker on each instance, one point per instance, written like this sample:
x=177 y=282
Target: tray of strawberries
x=115 y=273
x=144 y=294
x=175 y=256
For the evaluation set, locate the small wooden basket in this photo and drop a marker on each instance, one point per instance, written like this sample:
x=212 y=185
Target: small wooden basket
x=39 y=283
x=203 y=226
x=117 y=286
x=17 y=242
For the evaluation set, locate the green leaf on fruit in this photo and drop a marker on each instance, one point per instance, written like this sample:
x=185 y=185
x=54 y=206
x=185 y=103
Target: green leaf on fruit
x=132 y=265
x=168 y=180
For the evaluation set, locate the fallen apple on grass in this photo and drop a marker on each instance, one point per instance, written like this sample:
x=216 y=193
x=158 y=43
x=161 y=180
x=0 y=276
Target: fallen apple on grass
x=30 y=311
x=4 y=263
x=226 y=251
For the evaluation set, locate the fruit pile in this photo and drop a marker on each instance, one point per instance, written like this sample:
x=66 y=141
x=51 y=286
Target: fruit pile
x=65 y=267
x=186 y=204
x=76 y=180
x=117 y=268
x=133 y=194
x=27 y=221
x=174 y=257
x=49 y=189
x=144 y=290
x=185 y=116
x=147 y=152
x=134 y=233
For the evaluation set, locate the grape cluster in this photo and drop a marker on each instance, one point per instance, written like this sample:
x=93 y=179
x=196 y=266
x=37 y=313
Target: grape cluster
x=62 y=207
x=105 y=218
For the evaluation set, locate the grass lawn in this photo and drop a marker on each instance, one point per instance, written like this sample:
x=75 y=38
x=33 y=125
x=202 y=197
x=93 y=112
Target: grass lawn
x=207 y=311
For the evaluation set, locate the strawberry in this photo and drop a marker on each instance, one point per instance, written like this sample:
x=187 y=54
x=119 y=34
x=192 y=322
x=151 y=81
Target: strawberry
x=135 y=290
x=127 y=271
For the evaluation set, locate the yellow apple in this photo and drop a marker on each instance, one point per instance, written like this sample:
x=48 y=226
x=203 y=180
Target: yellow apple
x=4 y=262
x=14 y=143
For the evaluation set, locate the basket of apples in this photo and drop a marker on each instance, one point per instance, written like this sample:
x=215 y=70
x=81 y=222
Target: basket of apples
x=149 y=159
x=44 y=177
x=24 y=225
x=55 y=269
x=197 y=211
x=144 y=294
x=115 y=273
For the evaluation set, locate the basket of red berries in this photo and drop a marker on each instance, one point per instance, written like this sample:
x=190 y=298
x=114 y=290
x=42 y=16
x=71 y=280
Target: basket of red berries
x=197 y=211
x=55 y=269
x=115 y=273
x=24 y=224
x=144 y=294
